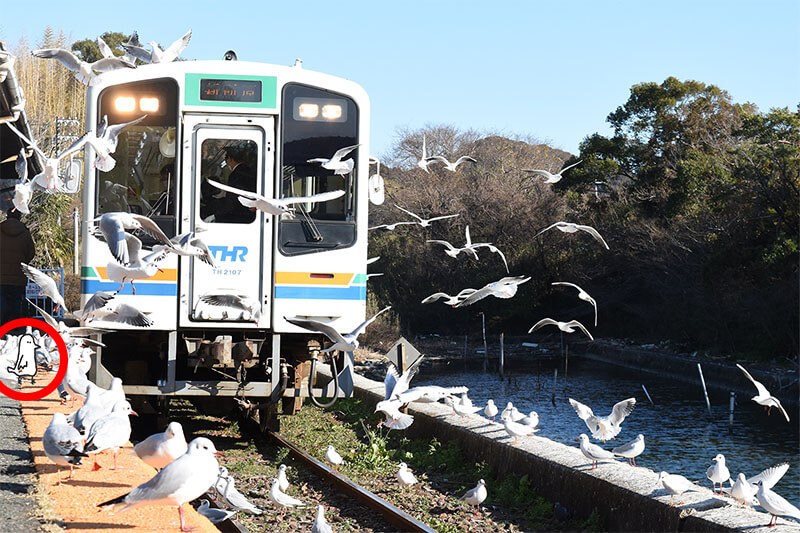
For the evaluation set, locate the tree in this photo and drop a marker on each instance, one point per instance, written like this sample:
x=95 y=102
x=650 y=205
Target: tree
x=87 y=49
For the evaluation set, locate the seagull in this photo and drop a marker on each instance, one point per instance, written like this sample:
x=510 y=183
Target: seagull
x=516 y=429
x=46 y=284
x=424 y=161
x=183 y=480
x=333 y=457
x=49 y=179
x=405 y=476
x=335 y=163
x=283 y=483
x=764 y=397
x=62 y=443
x=449 y=300
x=582 y=294
x=503 y=288
x=490 y=410
x=70 y=335
x=551 y=178
x=281 y=499
x=394 y=385
x=593 y=452
x=160 y=449
x=630 y=451
x=214 y=515
x=506 y=413
x=122 y=313
x=392 y=226
x=320 y=525
x=775 y=504
x=745 y=489
x=110 y=432
x=112 y=229
x=225 y=486
x=188 y=245
x=566 y=327
x=429 y=394
x=105 y=50
x=239 y=302
x=275 y=206
x=452 y=251
x=460 y=409
x=569 y=227
x=675 y=485
x=718 y=472
x=477 y=495
x=347 y=342
x=604 y=427
x=531 y=420
x=158 y=55
x=105 y=140
x=93 y=305
x=424 y=222
x=85 y=72
x=138 y=267
x=452 y=166
x=91 y=411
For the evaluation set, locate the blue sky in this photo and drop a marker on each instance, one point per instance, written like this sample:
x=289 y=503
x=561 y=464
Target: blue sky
x=553 y=70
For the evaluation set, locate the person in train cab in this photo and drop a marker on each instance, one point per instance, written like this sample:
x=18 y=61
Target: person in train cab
x=242 y=176
x=16 y=246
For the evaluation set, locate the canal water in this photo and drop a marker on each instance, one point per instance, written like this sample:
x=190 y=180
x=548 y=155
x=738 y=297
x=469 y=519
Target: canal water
x=680 y=435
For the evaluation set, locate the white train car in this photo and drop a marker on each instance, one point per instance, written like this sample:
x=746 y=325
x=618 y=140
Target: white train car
x=202 y=119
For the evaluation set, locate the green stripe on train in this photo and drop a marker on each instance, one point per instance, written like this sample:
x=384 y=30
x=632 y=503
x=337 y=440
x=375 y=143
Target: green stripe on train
x=269 y=91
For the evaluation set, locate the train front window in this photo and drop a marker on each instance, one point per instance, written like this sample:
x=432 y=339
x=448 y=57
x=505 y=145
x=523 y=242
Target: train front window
x=316 y=124
x=140 y=175
x=232 y=162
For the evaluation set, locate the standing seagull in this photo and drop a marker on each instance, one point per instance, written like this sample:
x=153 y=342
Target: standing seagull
x=566 y=327
x=569 y=227
x=582 y=294
x=593 y=452
x=630 y=451
x=281 y=499
x=775 y=504
x=320 y=525
x=764 y=397
x=225 y=486
x=718 y=473
x=183 y=480
x=335 y=163
x=110 y=432
x=490 y=410
x=551 y=178
x=477 y=495
x=333 y=457
x=503 y=288
x=47 y=284
x=214 y=515
x=276 y=206
x=158 y=55
x=347 y=342
x=62 y=444
x=84 y=72
x=424 y=222
x=675 y=485
x=405 y=476
x=160 y=449
x=604 y=427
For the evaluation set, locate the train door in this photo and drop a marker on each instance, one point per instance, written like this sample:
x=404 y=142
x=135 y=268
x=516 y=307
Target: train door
x=235 y=290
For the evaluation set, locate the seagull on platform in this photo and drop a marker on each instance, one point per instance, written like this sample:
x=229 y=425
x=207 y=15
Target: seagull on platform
x=764 y=397
x=490 y=410
x=551 y=178
x=531 y=420
x=582 y=295
x=214 y=515
x=46 y=284
x=183 y=480
x=566 y=327
x=104 y=142
x=517 y=429
x=62 y=443
x=158 y=55
x=477 y=495
x=160 y=449
x=110 y=432
x=593 y=452
x=630 y=451
x=276 y=206
x=449 y=300
x=452 y=166
x=718 y=472
x=744 y=489
x=503 y=288
x=112 y=228
x=92 y=410
x=320 y=525
x=85 y=72
x=188 y=245
x=425 y=222
x=775 y=504
x=405 y=476
x=569 y=227
x=604 y=427
x=462 y=410
x=347 y=342
x=226 y=489
x=675 y=484
x=335 y=163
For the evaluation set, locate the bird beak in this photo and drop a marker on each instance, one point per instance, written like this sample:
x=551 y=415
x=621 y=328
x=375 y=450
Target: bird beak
x=134 y=413
x=219 y=454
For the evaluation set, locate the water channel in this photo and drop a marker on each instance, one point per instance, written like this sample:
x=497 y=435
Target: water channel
x=680 y=435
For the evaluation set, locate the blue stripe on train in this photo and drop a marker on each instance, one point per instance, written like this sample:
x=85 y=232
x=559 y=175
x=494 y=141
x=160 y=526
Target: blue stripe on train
x=91 y=286
x=322 y=293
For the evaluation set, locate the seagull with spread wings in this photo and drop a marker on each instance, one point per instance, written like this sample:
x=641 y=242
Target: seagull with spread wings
x=112 y=229
x=104 y=142
x=452 y=166
x=452 y=251
x=347 y=342
x=582 y=294
x=551 y=178
x=46 y=284
x=158 y=55
x=569 y=227
x=424 y=222
x=449 y=300
x=503 y=288
x=764 y=397
x=566 y=327
x=85 y=72
x=604 y=427
x=336 y=164
x=275 y=206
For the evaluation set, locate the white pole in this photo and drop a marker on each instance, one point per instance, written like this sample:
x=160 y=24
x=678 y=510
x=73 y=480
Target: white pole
x=76 y=226
x=705 y=391
x=501 y=355
x=648 y=395
x=485 y=348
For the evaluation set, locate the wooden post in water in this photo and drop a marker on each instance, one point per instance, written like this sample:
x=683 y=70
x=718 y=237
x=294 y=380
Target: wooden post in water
x=555 y=380
x=705 y=391
x=730 y=416
x=566 y=365
x=465 y=352
x=501 y=355
x=485 y=349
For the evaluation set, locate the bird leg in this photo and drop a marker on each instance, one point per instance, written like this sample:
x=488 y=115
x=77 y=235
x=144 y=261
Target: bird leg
x=121 y=286
x=184 y=527
x=115 y=459
x=96 y=466
x=133 y=287
x=634 y=461
x=671 y=497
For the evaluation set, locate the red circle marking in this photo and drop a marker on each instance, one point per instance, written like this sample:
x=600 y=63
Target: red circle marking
x=63 y=359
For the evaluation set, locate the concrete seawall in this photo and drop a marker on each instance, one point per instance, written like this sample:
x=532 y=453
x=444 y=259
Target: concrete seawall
x=627 y=498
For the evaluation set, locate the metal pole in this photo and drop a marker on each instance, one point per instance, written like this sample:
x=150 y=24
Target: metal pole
x=555 y=380
x=730 y=416
x=76 y=225
x=705 y=391
x=485 y=348
x=647 y=394
x=501 y=355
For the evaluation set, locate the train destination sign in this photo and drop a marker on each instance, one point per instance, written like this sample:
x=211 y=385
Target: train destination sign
x=230 y=90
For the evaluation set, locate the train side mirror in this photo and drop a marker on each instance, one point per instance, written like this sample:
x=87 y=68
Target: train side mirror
x=377 y=194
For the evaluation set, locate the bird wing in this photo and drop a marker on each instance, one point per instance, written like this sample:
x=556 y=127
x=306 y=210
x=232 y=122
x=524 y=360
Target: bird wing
x=569 y=167
x=566 y=283
x=127 y=314
x=21 y=166
x=41 y=279
x=110 y=63
x=437 y=158
x=134 y=246
x=104 y=48
x=584 y=411
x=404 y=381
x=762 y=390
x=495 y=249
x=390 y=381
x=409 y=212
x=443 y=217
x=479 y=294
x=319 y=327
x=341 y=152
x=97 y=301
x=114 y=234
x=152 y=229
x=541 y=323
x=464 y=159
x=321 y=197
x=112 y=132
x=445 y=243
x=24 y=138
x=580 y=326
x=544 y=173
x=621 y=410
x=138 y=52
x=241 y=192
x=223 y=300
x=436 y=296
x=551 y=226
x=625 y=448
x=47 y=317
x=594 y=233
x=360 y=329
x=67 y=58
x=175 y=49
x=770 y=476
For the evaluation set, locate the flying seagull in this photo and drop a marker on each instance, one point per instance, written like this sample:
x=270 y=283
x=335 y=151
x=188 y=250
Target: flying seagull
x=551 y=178
x=449 y=300
x=112 y=228
x=452 y=166
x=104 y=142
x=347 y=342
x=569 y=227
x=582 y=294
x=275 y=206
x=84 y=72
x=452 y=251
x=46 y=284
x=764 y=397
x=335 y=163
x=424 y=222
x=424 y=160
x=566 y=327
x=604 y=427
x=158 y=55
x=503 y=288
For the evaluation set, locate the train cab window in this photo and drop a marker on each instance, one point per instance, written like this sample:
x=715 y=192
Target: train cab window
x=315 y=125
x=140 y=175
x=233 y=163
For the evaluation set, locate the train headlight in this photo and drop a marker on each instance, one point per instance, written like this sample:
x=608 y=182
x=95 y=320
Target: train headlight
x=148 y=104
x=308 y=110
x=125 y=104
x=332 y=111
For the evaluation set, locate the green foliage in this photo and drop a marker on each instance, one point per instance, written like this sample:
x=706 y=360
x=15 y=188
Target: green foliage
x=53 y=241
x=88 y=50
